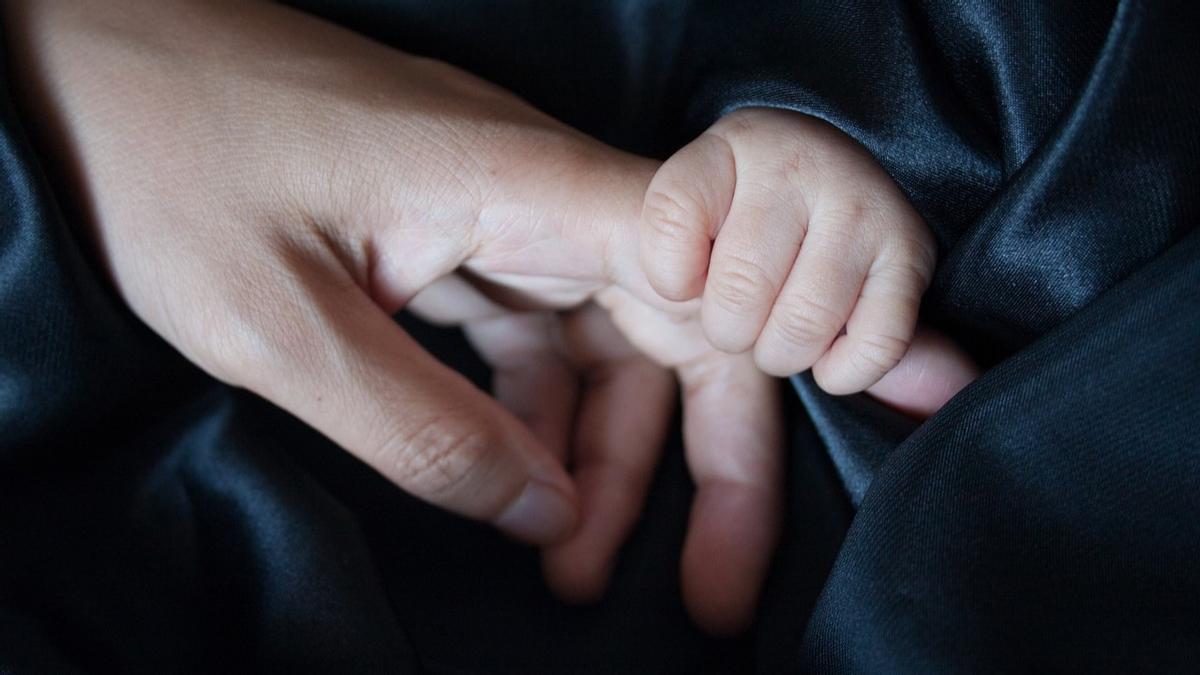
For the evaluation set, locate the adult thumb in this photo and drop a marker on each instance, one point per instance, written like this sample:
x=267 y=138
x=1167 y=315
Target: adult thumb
x=334 y=359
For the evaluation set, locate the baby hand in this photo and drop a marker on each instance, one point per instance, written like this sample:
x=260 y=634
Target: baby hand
x=800 y=246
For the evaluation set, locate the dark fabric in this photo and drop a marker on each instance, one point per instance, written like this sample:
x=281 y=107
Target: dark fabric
x=152 y=520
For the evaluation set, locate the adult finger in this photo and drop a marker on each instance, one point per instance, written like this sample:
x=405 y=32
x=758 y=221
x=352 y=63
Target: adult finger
x=530 y=376
x=325 y=352
x=622 y=424
x=733 y=431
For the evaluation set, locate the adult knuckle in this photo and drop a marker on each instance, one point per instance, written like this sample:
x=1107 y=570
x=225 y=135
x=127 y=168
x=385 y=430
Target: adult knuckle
x=434 y=456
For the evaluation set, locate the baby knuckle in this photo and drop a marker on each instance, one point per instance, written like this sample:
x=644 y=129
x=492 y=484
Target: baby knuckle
x=847 y=218
x=877 y=354
x=917 y=256
x=671 y=215
x=806 y=322
x=907 y=278
x=740 y=284
x=858 y=219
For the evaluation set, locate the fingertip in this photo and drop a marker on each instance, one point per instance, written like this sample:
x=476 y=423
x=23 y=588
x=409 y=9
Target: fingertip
x=573 y=577
x=933 y=371
x=719 y=615
x=831 y=378
x=855 y=363
x=726 y=556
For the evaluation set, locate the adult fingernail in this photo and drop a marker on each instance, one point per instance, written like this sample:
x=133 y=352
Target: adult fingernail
x=542 y=514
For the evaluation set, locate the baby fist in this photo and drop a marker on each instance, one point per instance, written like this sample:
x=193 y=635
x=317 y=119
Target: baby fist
x=802 y=248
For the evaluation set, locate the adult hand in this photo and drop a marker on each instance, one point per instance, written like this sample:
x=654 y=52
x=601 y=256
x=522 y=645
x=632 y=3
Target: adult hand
x=594 y=385
x=267 y=189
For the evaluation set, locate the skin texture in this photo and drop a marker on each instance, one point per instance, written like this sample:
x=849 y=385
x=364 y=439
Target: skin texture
x=267 y=207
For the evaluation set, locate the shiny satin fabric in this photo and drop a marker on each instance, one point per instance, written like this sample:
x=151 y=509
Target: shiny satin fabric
x=1047 y=518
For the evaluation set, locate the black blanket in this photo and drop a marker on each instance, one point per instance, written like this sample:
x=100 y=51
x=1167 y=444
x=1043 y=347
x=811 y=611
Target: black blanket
x=1048 y=518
